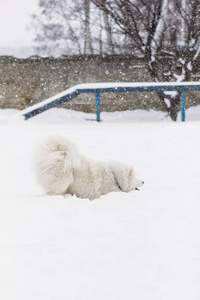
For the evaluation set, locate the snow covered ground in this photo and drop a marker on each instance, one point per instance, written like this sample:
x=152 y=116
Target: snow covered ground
x=140 y=245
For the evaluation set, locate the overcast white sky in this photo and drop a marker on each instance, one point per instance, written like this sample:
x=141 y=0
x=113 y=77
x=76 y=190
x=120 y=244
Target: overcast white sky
x=14 y=18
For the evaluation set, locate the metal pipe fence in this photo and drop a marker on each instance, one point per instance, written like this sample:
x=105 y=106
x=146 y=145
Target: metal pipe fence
x=98 y=88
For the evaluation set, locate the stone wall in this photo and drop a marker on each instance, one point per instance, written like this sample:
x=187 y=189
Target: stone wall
x=24 y=82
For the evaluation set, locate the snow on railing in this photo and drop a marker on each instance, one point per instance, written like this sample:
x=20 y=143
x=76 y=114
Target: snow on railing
x=107 y=87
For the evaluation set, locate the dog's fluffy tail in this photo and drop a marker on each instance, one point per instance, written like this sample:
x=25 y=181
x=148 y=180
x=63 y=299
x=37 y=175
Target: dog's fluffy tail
x=55 y=160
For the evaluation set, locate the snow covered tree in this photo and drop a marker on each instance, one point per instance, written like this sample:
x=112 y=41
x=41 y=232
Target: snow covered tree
x=165 y=32
x=185 y=46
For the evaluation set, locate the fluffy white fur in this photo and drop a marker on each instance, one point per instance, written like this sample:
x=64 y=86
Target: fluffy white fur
x=61 y=169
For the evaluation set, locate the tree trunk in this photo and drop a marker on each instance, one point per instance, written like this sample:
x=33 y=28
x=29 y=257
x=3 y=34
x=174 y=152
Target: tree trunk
x=183 y=40
x=108 y=33
x=175 y=104
x=157 y=39
x=88 y=44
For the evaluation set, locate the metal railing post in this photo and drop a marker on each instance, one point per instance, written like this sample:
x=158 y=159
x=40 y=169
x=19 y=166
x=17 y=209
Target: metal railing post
x=98 y=107
x=183 y=106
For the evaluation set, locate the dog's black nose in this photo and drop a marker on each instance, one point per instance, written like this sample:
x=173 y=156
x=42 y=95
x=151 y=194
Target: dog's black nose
x=142 y=182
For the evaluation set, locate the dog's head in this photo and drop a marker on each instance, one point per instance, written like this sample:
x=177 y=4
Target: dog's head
x=125 y=177
x=138 y=183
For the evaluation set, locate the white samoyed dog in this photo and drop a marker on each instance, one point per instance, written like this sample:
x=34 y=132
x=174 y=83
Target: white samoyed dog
x=61 y=169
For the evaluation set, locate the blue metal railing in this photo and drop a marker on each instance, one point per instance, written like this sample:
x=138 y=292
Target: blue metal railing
x=112 y=87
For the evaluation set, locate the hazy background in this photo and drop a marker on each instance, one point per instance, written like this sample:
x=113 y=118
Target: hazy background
x=15 y=39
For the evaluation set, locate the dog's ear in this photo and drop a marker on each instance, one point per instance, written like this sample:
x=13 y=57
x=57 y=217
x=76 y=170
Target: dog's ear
x=124 y=175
